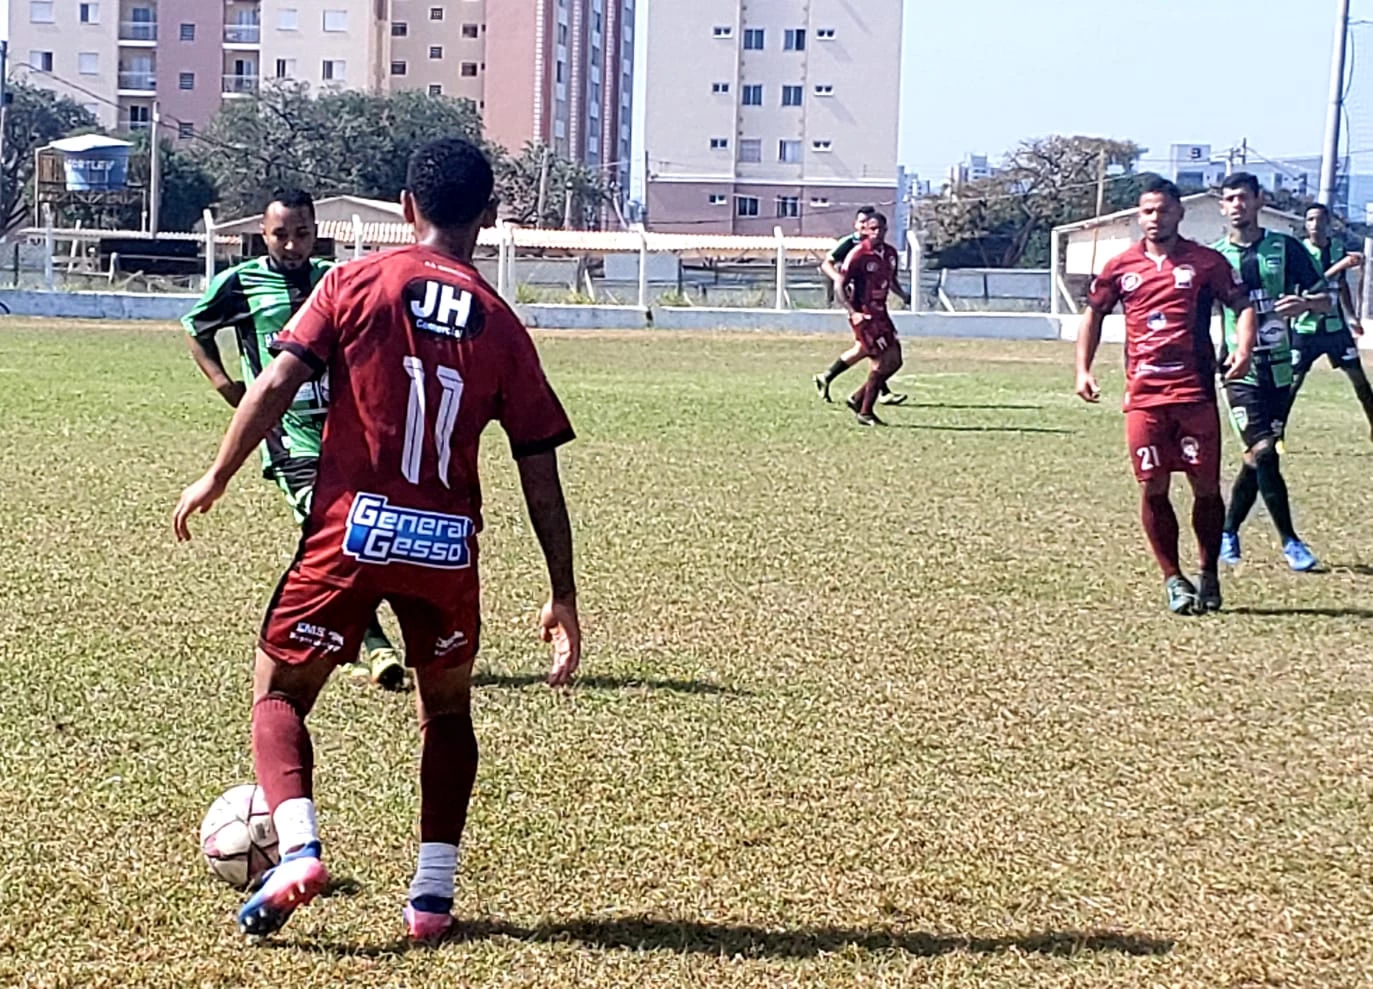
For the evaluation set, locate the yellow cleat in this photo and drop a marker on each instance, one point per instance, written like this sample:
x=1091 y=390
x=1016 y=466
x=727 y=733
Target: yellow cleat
x=386 y=669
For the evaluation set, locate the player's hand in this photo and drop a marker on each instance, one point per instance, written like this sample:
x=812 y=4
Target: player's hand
x=196 y=499
x=1087 y=389
x=232 y=392
x=1237 y=365
x=1290 y=306
x=558 y=624
x=1354 y=259
x=858 y=318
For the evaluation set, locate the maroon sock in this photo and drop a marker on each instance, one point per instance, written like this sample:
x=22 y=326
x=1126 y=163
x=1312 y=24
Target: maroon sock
x=1208 y=522
x=1161 y=526
x=448 y=768
x=283 y=757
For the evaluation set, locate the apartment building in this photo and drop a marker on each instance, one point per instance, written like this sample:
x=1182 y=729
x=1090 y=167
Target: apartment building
x=764 y=114
x=555 y=71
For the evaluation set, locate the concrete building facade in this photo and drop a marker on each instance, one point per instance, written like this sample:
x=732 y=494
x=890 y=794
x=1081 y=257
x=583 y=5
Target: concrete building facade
x=762 y=114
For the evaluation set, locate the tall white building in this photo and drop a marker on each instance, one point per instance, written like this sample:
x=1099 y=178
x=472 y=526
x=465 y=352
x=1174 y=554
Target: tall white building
x=762 y=114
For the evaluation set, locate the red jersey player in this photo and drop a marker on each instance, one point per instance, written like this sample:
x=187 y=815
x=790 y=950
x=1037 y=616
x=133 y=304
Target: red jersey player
x=1168 y=287
x=869 y=276
x=421 y=355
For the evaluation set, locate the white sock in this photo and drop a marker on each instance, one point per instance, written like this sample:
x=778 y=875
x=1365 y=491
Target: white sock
x=295 y=823
x=437 y=869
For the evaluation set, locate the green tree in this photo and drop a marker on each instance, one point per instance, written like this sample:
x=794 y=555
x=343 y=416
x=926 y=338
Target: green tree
x=187 y=189
x=519 y=178
x=1005 y=221
x=36 y=117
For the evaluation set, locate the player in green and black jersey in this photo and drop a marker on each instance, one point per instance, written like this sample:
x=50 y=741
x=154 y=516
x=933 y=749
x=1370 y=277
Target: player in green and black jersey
x=1284 y=285
x=833 y=269
x=256 y=299
x=1330 y=335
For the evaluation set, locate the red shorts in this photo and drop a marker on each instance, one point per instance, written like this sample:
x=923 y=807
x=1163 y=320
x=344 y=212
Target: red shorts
x=308 y=620
x=875 y=334
x=1169 y=438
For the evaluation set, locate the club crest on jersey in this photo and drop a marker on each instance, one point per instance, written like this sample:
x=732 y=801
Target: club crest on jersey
x=1157 y=321
x=1183 y=275
x=442 y=308
x=1191 y=450
x=381 y=533
x=1130 y=281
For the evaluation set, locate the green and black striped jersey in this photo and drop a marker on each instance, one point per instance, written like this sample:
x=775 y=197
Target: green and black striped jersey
x=257 y=299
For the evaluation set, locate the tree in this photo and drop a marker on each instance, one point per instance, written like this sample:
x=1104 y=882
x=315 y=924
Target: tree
x=187 y=189
x=335 y=143
x=520 y=177
x=1005 y=220
x=35 y=118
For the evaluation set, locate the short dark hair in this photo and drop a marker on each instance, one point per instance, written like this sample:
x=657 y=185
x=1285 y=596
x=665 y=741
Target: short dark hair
x=1160 y=186
x=865 y=211
x=292 y=198
x=1242 y=180
x=451 y=181
x=1320 y=206
x=879 y=217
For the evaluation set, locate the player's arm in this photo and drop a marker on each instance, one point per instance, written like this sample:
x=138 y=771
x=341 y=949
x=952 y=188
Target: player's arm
x=558 y=622
x=1246 y=335
x=263 y=405
x=1307 y=291
x=1101 y=299
x=220 y=307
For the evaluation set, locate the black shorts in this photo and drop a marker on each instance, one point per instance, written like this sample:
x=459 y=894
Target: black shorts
x=295 y=476
x=1340 y=347
x=1258 y=411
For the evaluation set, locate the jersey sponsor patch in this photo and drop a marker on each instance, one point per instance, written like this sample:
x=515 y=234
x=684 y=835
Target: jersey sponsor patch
x=1183 y=275
x=1130 y=281
x=1157 y=321
x=1191 y=450
x=317 y=636
x=381 y=533
x=442 y=308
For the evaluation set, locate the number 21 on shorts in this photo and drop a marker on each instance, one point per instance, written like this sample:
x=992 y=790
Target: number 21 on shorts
x=417 y=419
x=1148 y=457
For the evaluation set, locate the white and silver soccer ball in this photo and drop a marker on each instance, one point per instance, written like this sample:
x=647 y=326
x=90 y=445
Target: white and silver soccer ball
x=237 y=837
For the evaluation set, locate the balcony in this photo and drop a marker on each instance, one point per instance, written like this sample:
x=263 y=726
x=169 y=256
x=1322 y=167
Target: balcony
x=243 y=34
x=130 y=124
x=137 y=82
x=240 y=85
x=138 y=32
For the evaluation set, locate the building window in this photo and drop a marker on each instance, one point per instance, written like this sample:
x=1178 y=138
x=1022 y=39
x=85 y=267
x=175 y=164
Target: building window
x=334 y=70
x=469 y=30
x=436 y=51
x=558 y=72
x=336 y=20
x=399 y=29
x=185 y=80
x=185 y=129
x=716 y=143
x=789 y=152
x=822 y=145
x=791 y=95
x=140 y=117
x=398 y=67
x=716 y=199
x=818 y=202
x=753 y=95
x=435 y=89
x=750 y=150
x=824 y=90
x=187 y=32
x=753 y=38
x=40 y=12
x=824 y=34
x=286 y=68
x=436 y=13
x=288 y=19
x=469 y=70
x=42 y=61
x=88 y=63
x=745 y=205
x=719 y=87
x=795 y=40
x=89 y=13
x=719 y=31
x=788 y=206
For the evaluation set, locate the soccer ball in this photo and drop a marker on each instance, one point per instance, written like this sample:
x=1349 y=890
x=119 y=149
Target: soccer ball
x=237 y=837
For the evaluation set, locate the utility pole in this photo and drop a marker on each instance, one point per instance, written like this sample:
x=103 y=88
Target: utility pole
x=543 y=188
x=155 y=170
x=1330 y=159
x=4 y=119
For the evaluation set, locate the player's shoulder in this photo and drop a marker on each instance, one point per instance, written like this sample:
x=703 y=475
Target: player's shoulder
x=1197 y=251
x=1123 y=261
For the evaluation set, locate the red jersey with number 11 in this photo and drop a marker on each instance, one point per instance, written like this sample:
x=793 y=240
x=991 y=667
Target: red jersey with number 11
x=1169 y=356
x=421 y=355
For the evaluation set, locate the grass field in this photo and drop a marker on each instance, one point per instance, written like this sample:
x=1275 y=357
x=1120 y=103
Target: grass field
x=885 y=707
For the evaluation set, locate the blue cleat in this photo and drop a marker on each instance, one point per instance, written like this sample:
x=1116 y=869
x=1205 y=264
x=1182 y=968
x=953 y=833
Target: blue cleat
x=1230 y=549
x=1299 y=556
x=295 y=882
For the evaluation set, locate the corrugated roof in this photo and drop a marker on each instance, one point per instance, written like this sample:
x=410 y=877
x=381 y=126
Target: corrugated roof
x=87 y=142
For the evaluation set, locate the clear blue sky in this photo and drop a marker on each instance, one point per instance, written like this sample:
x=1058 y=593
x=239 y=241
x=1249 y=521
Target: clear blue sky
x=981 y=75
